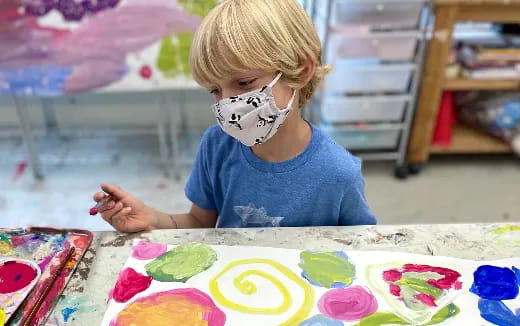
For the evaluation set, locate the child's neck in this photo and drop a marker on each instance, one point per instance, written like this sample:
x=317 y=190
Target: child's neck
x=290 y=140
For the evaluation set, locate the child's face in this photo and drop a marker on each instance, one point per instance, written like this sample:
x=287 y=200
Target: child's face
x=250 y=81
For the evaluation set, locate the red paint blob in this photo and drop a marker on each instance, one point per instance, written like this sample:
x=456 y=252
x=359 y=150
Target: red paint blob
x=145 y=72
x=426 y=299
x=392 y=275
x=395 y=290
x=93 y=211
x=447 y=282
x=129 y=284
x=14 y=276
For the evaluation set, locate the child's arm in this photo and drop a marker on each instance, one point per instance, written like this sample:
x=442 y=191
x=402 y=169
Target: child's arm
x=354 y=207
x=127 y=213
x=196 y=218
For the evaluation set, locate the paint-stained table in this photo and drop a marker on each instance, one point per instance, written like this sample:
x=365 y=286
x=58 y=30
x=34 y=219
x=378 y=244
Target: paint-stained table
x=84 y=300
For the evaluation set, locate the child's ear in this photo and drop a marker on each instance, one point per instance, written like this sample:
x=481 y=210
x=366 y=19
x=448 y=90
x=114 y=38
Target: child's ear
x=308 y=68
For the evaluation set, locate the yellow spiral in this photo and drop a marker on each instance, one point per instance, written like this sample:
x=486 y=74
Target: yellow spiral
x=249 y=288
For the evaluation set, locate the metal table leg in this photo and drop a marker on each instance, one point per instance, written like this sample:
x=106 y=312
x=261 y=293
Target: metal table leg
x=23 y=116
x=174 y=133
x=162 y=125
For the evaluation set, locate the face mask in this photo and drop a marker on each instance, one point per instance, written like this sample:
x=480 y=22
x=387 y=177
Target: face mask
x=253 y=117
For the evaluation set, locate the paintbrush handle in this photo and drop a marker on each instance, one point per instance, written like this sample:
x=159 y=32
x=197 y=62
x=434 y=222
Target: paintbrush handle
x=48 y=287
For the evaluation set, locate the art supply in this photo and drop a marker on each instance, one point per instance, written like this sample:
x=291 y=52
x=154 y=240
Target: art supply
x=94 y=210
x=45 y=248
x=198 y=284
x=17 y=279
x=48 y=287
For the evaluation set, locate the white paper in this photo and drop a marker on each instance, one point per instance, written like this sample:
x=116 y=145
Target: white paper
x=268 y=296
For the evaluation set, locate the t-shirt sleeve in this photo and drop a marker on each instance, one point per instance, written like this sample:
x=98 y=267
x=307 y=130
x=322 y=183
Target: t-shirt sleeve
x=199 y=189
x=354 y=207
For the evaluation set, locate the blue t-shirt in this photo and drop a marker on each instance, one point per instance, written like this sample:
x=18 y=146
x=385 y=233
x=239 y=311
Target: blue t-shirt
x=322 y=186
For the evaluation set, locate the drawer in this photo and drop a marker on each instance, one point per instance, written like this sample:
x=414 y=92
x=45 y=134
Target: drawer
x=382 y=46
x=379 y=15
x=373 y=78
x=363 y=139
x=339 y=109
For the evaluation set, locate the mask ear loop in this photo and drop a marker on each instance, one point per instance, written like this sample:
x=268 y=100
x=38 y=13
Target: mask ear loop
x=275 y=80
x=291 y=100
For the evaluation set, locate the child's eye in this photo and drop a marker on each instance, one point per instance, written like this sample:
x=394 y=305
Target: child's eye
x=214 y=91
x=246 y=82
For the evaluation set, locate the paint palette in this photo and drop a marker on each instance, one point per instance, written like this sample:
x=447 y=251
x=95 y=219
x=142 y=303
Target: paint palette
x=42 y=250
x=17 y=279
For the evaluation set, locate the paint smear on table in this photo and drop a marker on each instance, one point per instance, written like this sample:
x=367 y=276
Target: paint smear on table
x=498 y=313
x=506 y=229
x=129 y=284
x=320 y=320
x=145 y=250
x=507 y=234
x=389 y=318
x=247 y=287
x=181 y=263
x=72 y=307
x=327 y=269
x=351 y=304
x=496 y=283
x=176 y=307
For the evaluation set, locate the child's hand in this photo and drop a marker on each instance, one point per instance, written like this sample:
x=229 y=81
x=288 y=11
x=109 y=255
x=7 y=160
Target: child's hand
x=122 y=210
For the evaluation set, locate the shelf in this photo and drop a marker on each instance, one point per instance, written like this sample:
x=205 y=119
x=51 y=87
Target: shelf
x=481 y=84
x=467 y=141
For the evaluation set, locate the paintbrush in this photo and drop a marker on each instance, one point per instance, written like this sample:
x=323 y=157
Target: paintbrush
x=48 y=287
x=94 y=210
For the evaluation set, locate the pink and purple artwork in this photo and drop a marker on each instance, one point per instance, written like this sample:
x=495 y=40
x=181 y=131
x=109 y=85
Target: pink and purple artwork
x=109 y=45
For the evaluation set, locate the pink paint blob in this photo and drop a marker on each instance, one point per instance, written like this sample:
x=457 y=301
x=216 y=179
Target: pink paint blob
x=145 y=72
x=145 y=250
x=350 y=304
x=93 y=211
x=426 y=299
x=129 y=284
x=15 y=276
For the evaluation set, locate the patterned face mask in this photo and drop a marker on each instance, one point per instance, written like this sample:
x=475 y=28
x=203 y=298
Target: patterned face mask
x=253 y=117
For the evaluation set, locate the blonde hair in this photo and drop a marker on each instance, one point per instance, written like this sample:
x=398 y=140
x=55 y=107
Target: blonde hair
x=267 y=35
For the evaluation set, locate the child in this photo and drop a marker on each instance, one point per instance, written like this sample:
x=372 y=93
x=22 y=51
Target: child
x=262 y=165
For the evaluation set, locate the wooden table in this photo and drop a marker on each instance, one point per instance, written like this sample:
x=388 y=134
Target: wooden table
x=84 y=300
x=465 y=140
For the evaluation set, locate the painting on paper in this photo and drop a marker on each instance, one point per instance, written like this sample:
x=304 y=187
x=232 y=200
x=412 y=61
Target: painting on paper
x=52 y=48
x=199 y=284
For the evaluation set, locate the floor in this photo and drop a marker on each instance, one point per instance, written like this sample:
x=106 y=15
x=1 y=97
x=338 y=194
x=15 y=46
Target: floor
x=449 y=190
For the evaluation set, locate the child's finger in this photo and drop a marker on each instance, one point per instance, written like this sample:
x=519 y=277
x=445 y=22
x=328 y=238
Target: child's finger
x=99 y=196
x=114 y=191
x=107 y=206
x=109 y=214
